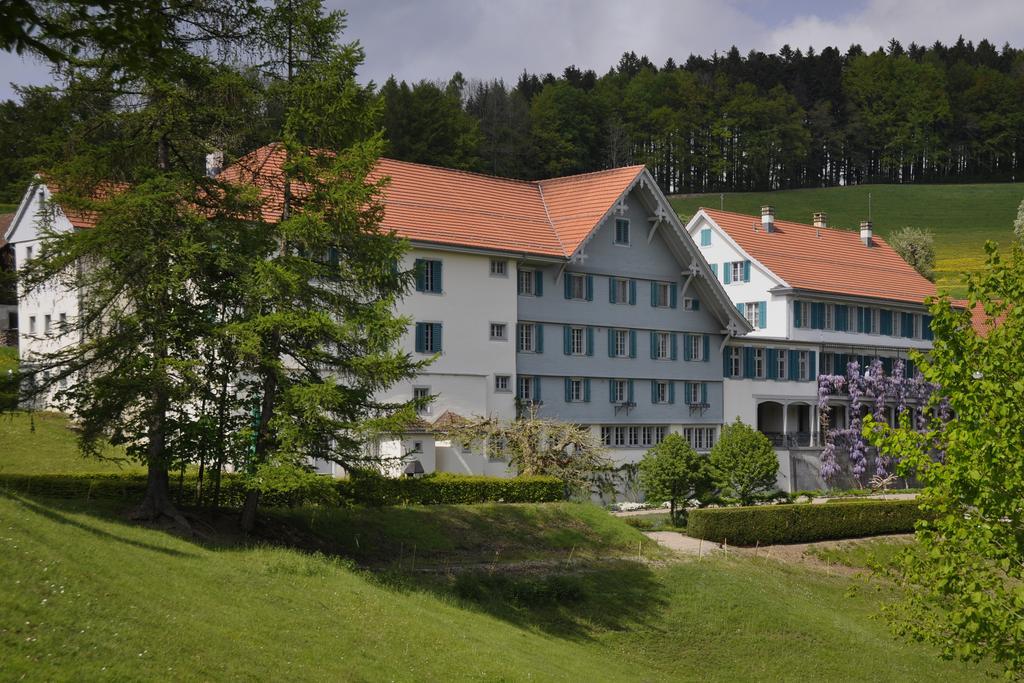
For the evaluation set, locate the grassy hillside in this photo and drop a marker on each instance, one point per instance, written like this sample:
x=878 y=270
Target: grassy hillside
x=40 y=443
x=962 y=216
x=86 y=596
x=8 y=208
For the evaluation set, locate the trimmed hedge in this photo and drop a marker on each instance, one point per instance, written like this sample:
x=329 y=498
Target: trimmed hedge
x=770 y=524
x=363 y=489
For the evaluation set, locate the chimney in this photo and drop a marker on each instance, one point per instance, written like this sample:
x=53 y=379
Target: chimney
x=768 y=218
x=214 y=163
x=865 y=233
x=821 y=219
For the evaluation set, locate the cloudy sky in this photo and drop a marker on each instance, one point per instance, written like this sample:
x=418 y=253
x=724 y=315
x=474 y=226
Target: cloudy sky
x=417 y=39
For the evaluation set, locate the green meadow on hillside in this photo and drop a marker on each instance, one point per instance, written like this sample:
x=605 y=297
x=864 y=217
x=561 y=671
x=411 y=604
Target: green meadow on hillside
x=962 y=217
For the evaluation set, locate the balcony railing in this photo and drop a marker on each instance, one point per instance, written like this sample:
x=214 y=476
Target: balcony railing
x=789 y=439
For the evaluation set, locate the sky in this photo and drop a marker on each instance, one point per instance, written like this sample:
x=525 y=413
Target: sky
x=432 y=39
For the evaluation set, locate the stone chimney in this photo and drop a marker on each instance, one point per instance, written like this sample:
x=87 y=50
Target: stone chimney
x=821 y=219
x=865 y=233
x=214 y=163
x=768 y=218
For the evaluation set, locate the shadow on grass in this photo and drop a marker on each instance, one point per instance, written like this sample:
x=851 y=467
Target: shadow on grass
x=54 y=511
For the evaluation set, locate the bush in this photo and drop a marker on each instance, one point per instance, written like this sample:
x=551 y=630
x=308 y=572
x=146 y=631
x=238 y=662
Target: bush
x=672 y=471
x=744 y=462
x=772 y=524
x=363 y=489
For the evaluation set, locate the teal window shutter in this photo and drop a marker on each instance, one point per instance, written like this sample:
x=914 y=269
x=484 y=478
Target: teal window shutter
x=705 y=237
x=817 y=315
x=632 y=343
x=567 y=281
x=739 y=307
x=727 y=272
x=797 y=312
x=629 y=391
x=538 y=283
x=707 y=348
x=611 y=343
x=586 y=390
x=907 y=325
x=674 y=345
x=654 y=344
x=842 y=316
x=748 y=362
x=590 y=287
x=714 y=270
x=812 y=368
x=437 y=338
x=746 y=271
x=772 y=360
x=704 y=392
x=420 y=333
x=567 y=339
x=611 y=290
x=926 y=328
x=696 y=304
x=590 y=341
x=673 y=295
x=727 y=361
x=538 y=337
x=762 y=313
x=436 y=278
x=611 y=391
x=686 y=347
x=885 y=322
x=536 y=388
x=654 y=293
x=654 y=391
x=671 y=391
x=794 y=365
x=686 y=393
x=568 y=390
x=632 y=292
x=421 y=283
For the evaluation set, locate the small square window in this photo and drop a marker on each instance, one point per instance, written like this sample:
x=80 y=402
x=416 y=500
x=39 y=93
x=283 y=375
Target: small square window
x=31 y=324
x=527 y=388
x=526 y=281
x=577 y=287
x=527 y=337
x=576 y=390
x=619 y=391
x=620 y=291
x=621 y=231
x=46 y=324
x=737 y=271
x=661 y=294
x=499 y=268
x=661 y=392
x=694 y=390
x=691 y=304
x=499 y=332
x=422 y=394
x=502 y=383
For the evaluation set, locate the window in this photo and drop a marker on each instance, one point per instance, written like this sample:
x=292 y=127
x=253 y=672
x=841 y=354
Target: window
x=499 y=267
x=606 y=436
x=660 y=294
x=619 y=391
x=576 y=287
x=700 y=438
x=528 y=337
x=63 y=321
x=705 y=237
x=578 y=341
x=830 y=320
x=28 y=253
x=621 y=339
x=528 y=389
x=759 y=363
x=417 y=447
x=828 y=363
x=781 y=368
x=621 y=231
x=620 y=436
x=691 y=304
x=31 y=324
x=46 y=324
x=737 y=271
x=802 y=369
x=619 y=291
x=801 y=314
x=694 y=392
x=659 y=434
x=527 y=282
x=502 y=383
x=633 y=436
x=696 y=350
x=735 y=362
x=662 y=346
x=661 y=392
x=499 y=332
x=428 y=276
x=752 y=312
x=422 y=394
x=575 y=393
x=428 y=337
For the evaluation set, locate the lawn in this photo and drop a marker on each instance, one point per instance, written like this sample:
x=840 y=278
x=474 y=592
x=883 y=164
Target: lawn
x=43 y=442
x=962 y=217
x=86 y=596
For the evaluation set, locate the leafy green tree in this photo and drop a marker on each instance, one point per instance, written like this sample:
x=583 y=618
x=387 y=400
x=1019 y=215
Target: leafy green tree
x=963 y=584
x=917 y=247
x=744 y=462
x=672 y=471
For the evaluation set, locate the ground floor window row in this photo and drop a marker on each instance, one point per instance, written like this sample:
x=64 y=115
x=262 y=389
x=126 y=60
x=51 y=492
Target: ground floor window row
x=645 y=436
x=620 y=391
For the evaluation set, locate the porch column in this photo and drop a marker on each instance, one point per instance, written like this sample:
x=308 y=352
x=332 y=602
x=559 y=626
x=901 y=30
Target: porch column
x=814 y=425
x=785 y=425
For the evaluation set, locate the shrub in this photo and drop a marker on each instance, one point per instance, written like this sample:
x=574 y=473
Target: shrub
x=672 y=471
x=772 y=524
x=744 y=462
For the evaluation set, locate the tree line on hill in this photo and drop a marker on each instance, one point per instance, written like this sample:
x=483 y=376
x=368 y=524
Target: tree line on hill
x=720 y=123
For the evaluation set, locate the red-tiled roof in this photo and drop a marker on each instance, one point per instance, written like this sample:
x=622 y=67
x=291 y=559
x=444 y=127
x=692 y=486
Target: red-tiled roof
x=826 y=259
x=5 y=224
x=980 y=321
x=445 y=206
x=83 y=218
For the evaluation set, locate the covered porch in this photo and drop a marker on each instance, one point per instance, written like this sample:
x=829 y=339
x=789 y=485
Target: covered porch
x=789 y=423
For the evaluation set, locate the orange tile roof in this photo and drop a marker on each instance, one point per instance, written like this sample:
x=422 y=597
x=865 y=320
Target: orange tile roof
x=458 y=208
x=5 y=224
x=85 y=218
x=826 y=259
x=980 y=321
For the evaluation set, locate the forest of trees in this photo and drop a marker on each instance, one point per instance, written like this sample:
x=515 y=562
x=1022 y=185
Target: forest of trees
x=721 y=123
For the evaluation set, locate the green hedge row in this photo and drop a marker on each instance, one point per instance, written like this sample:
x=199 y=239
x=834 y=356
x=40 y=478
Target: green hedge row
x=770 y=524
x=364 y=489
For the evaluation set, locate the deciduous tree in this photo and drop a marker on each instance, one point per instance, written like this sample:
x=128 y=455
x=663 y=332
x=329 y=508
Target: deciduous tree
x=744 y=462
x=673 y=472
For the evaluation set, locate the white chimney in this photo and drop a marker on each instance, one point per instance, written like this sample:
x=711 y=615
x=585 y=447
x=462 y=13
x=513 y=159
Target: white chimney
x=865 y=233
x=214 y=163
x=768 y=218
x=821 y=219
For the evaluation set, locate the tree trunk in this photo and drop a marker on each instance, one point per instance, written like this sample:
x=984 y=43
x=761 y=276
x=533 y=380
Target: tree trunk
x=252 y=499
x=157 y=503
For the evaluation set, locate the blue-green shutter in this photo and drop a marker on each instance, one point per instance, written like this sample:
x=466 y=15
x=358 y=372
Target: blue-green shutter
x=420 y=343
x=746 y=271
x=714 y=270
x=686 y=393
x=686 y=347
x=611 y=343
x=568 y=390
x=590 y=341
x=926 y=328
x=632 y=343
x=437 y=338
x=817 y=315
x=763 y=313
x=421 y=281
x=567 y=281
x=812 y=367
x=538 y=338
x=629 y=391
x=705 y=237
x=907 y=325
x=654 y=293
x=632 y=292
x=586 y=390
x=885 y=322
x=654 y=344
x=771 y=370
x=726 y=272
x=611 y=391
x=567 y=339
x=654 y=391
x=674 y=345
x=671 y=391
x=842 y=316
x=704 y=393
x=435 y=272
x=794 y=365
x=707 y=348
x=536 y=388
x=748 y=362
x=589 y=287
x=739 y=307
x=797 y=313
x=611 y=290
x=538 y=283
x=673 y=295
x=696 y=304
x=727 y=361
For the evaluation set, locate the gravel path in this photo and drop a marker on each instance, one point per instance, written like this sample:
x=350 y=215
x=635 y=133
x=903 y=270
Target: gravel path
x=683 y=544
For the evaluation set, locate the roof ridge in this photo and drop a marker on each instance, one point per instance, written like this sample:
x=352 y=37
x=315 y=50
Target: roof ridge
x=551 y=224
x=777 y=220
x=580 y=176
x=446 y=169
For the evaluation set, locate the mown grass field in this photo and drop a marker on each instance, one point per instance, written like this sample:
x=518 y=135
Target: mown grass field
x=962 y=217
x=42 y=442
